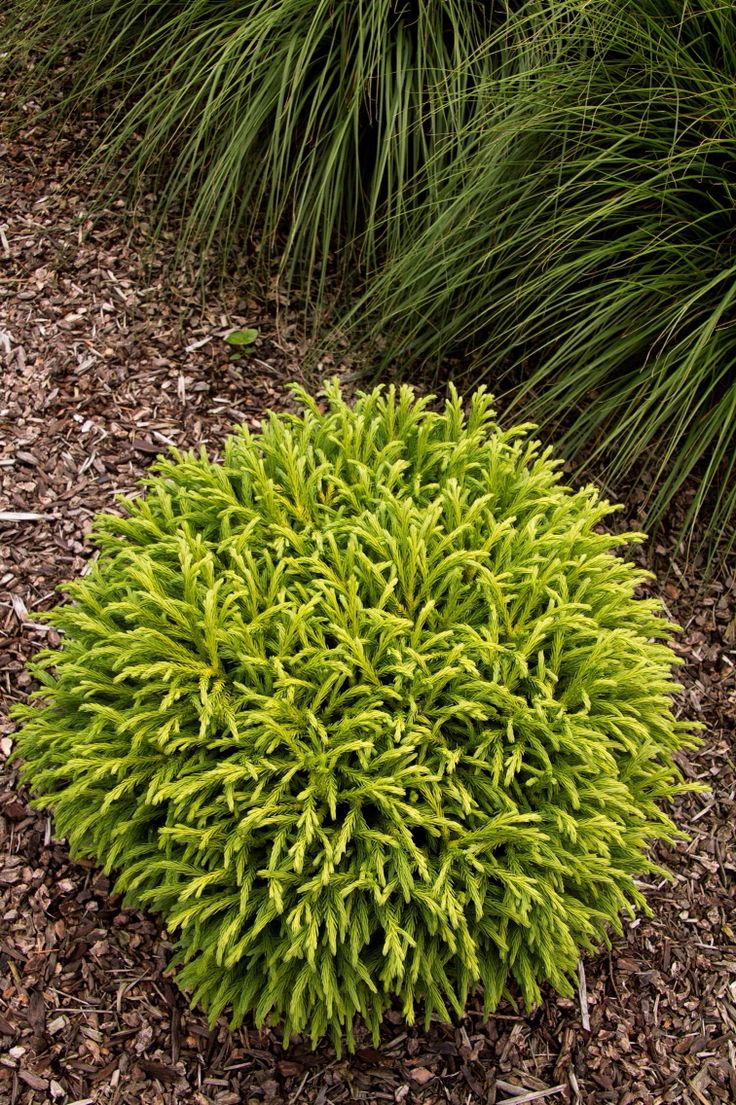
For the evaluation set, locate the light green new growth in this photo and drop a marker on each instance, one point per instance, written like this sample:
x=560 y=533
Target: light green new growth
x=368 y=712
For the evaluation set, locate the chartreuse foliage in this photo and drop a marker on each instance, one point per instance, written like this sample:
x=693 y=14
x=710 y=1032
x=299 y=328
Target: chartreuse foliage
x=368 y=711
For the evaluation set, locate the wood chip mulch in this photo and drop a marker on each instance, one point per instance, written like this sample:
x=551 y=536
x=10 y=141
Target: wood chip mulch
x=104 y=365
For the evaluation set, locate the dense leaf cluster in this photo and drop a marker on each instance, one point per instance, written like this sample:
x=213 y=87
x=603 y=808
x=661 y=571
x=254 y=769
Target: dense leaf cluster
x=368 y=711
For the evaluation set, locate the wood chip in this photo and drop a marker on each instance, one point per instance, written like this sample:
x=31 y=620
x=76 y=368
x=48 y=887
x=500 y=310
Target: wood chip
x=421 y=1076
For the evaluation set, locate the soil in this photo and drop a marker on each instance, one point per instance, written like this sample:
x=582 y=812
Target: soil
x=104 y=364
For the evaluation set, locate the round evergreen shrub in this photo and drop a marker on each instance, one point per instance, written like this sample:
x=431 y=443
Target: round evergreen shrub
x=368 y=711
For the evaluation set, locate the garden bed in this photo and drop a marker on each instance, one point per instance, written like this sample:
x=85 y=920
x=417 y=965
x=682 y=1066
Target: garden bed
x=104 y=365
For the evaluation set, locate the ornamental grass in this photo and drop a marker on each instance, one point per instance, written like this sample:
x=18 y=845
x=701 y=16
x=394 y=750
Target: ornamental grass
x=301 y=127
x=582 y=256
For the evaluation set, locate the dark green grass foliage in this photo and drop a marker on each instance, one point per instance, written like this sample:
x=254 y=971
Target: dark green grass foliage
x=315 y=117
x=369 y=712
x=584 y=251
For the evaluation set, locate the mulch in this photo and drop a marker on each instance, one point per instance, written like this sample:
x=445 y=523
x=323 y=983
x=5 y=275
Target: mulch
x=104 y=365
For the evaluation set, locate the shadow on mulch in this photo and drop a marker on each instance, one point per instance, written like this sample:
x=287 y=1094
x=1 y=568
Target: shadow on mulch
x=101 y=370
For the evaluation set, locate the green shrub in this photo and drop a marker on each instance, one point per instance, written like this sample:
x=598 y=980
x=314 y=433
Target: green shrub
x=252 y=117
x=369 y=711
x=584 y=248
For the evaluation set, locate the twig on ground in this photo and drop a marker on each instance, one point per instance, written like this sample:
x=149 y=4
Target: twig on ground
x=532 y=1095
x=22 y=516
x=583 y=993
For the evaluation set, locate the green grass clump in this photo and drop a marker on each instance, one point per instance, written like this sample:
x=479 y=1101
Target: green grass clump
x=369 y=712
x=584 y=252
x=311 y=119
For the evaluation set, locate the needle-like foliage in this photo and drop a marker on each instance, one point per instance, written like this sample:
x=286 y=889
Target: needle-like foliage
x=584 y=250
x=369 y=712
